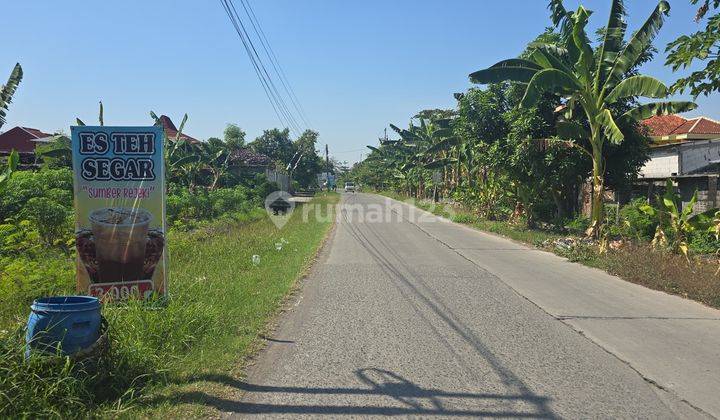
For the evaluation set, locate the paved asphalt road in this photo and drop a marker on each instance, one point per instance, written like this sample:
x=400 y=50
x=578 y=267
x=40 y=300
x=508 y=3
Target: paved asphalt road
x=408 y=315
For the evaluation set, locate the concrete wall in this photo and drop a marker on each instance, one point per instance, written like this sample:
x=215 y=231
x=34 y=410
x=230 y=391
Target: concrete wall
x=663 y=163
x=281 y=178
x=707 y=192
x=698 y=154
x=705 y=202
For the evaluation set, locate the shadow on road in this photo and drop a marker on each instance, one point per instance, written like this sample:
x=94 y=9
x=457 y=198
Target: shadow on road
x=384 y=389
x=414 y=290
x=415 y=400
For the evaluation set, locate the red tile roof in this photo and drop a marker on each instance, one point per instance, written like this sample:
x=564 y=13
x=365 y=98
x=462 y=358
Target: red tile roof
x=670 y=125
x=663 y=125
x=250 y=158
x=705 y=126
x=35 y=132
x=171 y=131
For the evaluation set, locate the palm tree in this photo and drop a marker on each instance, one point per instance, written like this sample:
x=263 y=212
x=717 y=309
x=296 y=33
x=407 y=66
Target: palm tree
x=8 y=90
x=594 y=81
x=420 y=148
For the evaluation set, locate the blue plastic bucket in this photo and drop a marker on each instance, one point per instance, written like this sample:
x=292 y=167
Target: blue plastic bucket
x=70 y=322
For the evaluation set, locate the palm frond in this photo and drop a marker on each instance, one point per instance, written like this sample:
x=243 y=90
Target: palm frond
x=610 y=129
x=514 y=69
x=646 y=111
x=612 y=43
x=638 y=44
x=644 y=86
x=8 y=90
x=550 y=81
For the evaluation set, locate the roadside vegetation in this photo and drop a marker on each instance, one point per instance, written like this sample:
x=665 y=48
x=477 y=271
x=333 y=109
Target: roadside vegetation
x=560 y=121
x=220 y=300
x=230 y=269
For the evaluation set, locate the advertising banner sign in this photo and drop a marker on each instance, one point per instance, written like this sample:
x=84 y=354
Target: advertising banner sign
x=120 y=211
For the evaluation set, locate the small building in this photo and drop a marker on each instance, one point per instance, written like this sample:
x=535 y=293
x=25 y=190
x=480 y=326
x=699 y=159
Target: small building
x=171 y=131
x=247 y=158
x=246 y=161
x=680 y=146
x=22 y=139
x=686 y=151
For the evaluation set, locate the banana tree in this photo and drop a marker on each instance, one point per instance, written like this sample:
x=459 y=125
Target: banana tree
x=101 y=117
x=11 y=166
x=432 y=141
x=593 y=81
x=181 y=157
x=8 y=90
x=394 y=156
x=675 y=224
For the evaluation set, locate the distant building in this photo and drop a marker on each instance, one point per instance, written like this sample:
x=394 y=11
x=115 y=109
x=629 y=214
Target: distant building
x=171 y=131
x=22 y=139
x=246 y=161
x=686 y=151
x=681 y=146
x=248 y=158
x=664 y=129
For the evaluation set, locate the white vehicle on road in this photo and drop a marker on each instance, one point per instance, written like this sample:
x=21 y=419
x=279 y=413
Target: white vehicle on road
x=350 y=187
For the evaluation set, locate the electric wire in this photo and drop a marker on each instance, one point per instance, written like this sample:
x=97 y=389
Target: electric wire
x=276 y=63
x=279 y=106
x=271 y=85
x=254 y=64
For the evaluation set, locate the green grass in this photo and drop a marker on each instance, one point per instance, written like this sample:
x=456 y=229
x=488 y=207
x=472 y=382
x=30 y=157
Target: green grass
x=219 y=303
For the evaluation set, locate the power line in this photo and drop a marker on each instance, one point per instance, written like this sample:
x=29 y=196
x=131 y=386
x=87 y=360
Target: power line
x=280 y=107
x=281 y=101
x=255 y=66
x=276 y=63
x=271 y=85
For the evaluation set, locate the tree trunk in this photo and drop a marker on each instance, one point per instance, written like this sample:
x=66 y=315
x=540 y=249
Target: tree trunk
x=598 y=190
x=559 y=205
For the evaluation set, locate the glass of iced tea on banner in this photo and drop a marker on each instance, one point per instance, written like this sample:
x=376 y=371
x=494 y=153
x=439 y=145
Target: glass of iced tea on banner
x=120 y=240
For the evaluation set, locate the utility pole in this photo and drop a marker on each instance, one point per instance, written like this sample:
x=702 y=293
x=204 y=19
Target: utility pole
x=327 y=166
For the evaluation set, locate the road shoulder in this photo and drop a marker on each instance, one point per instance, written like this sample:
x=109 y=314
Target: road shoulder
x=673 y=343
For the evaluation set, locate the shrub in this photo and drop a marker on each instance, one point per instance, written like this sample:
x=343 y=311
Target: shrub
x=636 y=223
x=18 y=238
x=23 y=279
x=578 y=225
x=464 y=218
x=703 y=242
x=185 y=207
x=55 y=184
x=50 y=218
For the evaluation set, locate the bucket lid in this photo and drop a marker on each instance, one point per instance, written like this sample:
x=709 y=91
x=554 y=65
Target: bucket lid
x=66 y=303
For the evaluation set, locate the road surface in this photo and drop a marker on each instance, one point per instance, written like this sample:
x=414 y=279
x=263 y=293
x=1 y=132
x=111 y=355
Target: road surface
x=406 y=314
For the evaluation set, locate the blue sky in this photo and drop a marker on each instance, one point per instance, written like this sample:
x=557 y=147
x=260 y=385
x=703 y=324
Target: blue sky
x=355 y=66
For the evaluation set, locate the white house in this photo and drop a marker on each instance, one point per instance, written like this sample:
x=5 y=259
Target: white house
x=687 y=151
x=681 y=146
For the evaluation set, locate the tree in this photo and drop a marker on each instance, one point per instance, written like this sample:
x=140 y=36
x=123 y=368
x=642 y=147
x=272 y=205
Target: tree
x=234 y=137
x=700 y=46
x=590 y=81
x=10 y=167
x=8 y=90
x=479 y=126
x=306 y=163
x=57 y=153
x=276 y=144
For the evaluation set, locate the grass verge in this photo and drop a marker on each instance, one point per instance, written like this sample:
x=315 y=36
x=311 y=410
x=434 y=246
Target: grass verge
x=635 y=262
x=219 y=303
